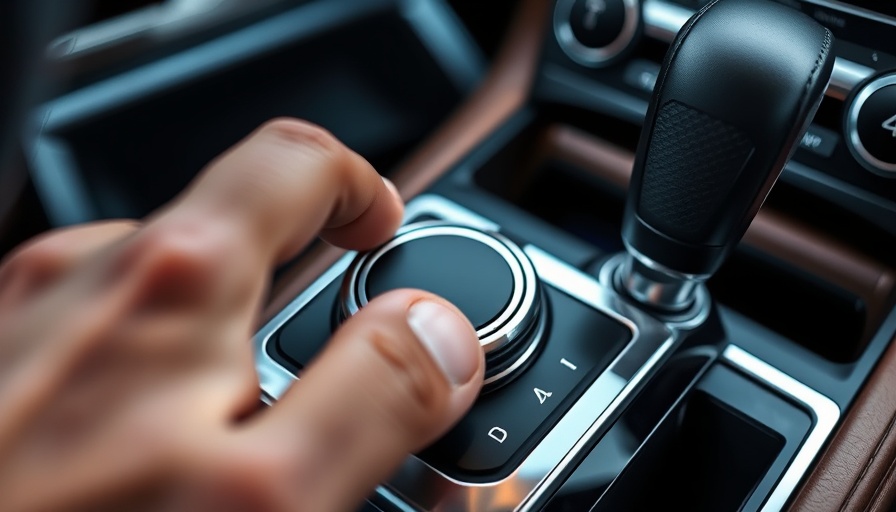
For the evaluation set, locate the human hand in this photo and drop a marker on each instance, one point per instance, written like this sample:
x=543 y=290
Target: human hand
x=126 y=373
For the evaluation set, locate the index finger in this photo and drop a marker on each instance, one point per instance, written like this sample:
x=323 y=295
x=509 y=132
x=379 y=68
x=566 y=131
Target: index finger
x=286 y=183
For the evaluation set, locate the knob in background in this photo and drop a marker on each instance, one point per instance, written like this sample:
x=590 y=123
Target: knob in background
x=596 y=33
x=870 y=124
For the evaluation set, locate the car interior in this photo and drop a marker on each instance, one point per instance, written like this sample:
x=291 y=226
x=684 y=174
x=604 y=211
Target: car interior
x=672 y=222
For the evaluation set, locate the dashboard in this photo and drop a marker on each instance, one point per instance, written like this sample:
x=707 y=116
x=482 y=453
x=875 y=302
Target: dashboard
x=519 y=132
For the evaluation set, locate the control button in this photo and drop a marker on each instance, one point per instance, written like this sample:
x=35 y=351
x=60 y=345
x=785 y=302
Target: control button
x=871 y=125
x=444 y=265
x=542 y=395
x=820 y=141
x=593 y=32
x=485 y=274
x=498 y=434
x=596 y=23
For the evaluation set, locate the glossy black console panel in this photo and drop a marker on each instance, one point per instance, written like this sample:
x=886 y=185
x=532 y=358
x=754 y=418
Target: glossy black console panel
x=721 y=446
x=515 y=178
x=597 y=353
x=520 y=431
x=727 y=412
x=498 y=187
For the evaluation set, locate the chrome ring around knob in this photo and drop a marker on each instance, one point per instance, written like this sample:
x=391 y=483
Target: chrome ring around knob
x=856 y=145
x=511 y=338
x=595 y=56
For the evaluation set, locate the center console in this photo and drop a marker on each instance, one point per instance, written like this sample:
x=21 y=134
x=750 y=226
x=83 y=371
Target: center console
x=638 y=357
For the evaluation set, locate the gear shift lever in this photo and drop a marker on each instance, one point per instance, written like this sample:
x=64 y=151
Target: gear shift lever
x=737 y=89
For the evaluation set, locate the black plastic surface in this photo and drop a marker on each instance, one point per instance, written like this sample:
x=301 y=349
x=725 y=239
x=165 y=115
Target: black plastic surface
x=596 y=24
x=597 y=470
x=583 y=337
x=526 y=408
x=469 y=273
x=738 y=87
x=722 y=449
x=306 y=333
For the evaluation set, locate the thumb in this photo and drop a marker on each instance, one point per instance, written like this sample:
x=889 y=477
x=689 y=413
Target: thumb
x=393 y=379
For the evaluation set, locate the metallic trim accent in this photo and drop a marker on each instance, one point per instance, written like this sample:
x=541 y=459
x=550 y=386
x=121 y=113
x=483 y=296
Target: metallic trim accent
x=586 y=55
x=511 y=326
x=422 y=487
x=523 y=359
x=845 y=77
x=659 y=267
x=516 y=317
x=671 y=294
x=825 y=411
x=663 y=20
x=685 y=320
x=862 y=155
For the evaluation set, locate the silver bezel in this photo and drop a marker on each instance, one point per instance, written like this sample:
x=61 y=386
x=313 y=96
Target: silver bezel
x=517 y=316
x=418 y=486
x=825 y=414
x=586 y=55
x=863 y=156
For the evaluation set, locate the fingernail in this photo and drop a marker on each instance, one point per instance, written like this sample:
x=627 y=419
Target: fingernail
x=449 y=339
x=391 y=186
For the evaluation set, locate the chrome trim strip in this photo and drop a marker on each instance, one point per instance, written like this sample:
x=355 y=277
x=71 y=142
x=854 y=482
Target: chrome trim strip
x=493 y=335
x=643 y=354
x=825 y=411
x=422 y=487
x=863 y=156
x=663 y=20
x=845 y=77
x=273 y=378
x=691 y=318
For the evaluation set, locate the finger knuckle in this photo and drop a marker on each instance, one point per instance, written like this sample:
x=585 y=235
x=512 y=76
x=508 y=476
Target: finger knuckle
x=185 y=255
x=303 y=134
x=34 y=262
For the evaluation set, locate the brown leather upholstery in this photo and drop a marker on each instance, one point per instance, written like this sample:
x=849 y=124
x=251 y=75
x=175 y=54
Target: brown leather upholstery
x=856 y=472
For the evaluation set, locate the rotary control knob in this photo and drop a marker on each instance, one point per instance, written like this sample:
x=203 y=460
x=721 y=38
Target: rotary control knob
x=595 y=32
x=871 y=125
x=487 y=276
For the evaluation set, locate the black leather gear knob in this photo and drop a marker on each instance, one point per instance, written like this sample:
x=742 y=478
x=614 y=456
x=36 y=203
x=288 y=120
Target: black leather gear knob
x=738 y=87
